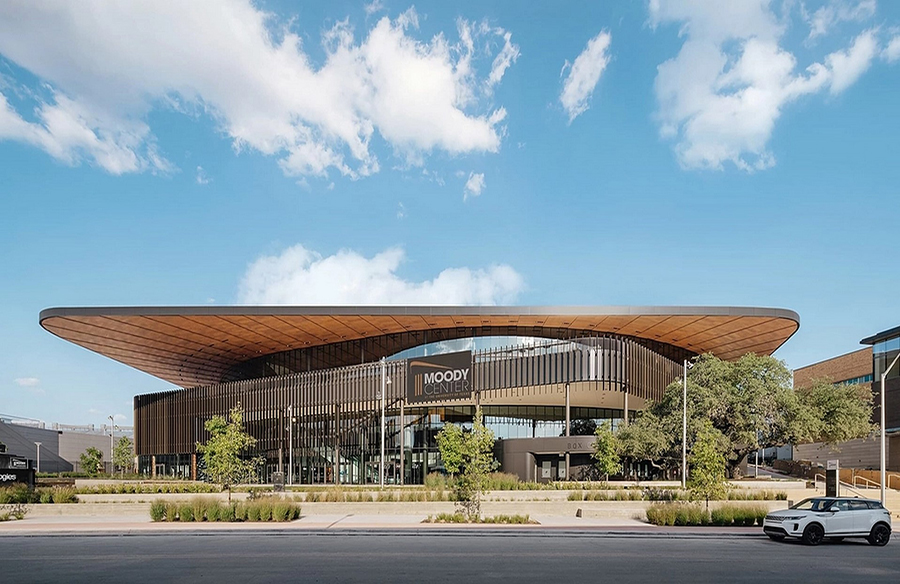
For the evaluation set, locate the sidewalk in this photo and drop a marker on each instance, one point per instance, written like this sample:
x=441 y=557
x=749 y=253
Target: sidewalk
x=357 y=524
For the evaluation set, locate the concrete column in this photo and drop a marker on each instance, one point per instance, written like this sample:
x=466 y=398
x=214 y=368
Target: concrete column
x=153 y=466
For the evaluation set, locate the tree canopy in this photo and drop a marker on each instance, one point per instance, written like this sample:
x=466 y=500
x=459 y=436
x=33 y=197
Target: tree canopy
x=606 y=451
x=222 y=454
x=469 y=454
x=91 y=460
x=123 y=454
x=752 y=403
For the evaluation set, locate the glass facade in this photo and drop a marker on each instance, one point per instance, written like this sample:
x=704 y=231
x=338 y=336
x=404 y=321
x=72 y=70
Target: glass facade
x=327 y=423
x=883 y=353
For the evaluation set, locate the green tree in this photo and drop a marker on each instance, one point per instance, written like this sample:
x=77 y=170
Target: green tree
x=91 y=460
x=223 y=453
x=606 y=451
x=451 y=444
x=123 y=454
x=837 y=412
x=707 y=479
x=752 y=403
x=471 y=455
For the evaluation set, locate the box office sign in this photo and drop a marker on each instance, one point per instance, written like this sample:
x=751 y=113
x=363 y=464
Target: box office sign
x=439 y=377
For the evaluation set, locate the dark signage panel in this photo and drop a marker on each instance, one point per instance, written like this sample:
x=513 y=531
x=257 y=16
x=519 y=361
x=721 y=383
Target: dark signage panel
x=439 y=377
x=10 y=476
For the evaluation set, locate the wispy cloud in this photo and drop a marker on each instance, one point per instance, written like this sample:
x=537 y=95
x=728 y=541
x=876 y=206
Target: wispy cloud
x=584 y=74
x=474 y=185
x=27 y=381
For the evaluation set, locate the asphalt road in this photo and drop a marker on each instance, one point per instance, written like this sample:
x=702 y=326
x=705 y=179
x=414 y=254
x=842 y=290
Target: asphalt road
x=541 y=556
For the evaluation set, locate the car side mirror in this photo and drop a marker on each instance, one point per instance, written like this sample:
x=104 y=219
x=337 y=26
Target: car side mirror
x=834 y=509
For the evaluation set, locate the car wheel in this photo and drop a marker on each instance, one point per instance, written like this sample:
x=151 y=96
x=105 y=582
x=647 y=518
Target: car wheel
x=880 y=535
x=775 y=537
x=813 y=534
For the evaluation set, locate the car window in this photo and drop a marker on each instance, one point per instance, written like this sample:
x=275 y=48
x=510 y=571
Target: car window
x=874 y=505
x=841 y=505
x=813 y=504
x=858 y=505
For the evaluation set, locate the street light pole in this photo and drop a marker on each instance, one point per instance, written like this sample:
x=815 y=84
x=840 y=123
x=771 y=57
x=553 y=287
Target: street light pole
x=383 y=391
x=38 y=444
x=112 y=468
x=883 y=457
x=291 y=444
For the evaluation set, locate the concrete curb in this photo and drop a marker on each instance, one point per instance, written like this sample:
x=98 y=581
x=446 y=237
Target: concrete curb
x=467 y=531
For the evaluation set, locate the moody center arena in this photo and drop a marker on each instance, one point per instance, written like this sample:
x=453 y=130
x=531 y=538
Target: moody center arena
x=315 y=383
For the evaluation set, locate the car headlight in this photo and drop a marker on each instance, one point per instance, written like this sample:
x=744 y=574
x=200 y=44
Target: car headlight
x=793 y=517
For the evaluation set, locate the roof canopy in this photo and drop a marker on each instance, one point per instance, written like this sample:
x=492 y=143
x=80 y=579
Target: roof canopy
x=191 y=346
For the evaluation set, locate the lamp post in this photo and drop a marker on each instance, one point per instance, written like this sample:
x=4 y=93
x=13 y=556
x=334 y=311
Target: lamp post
x=383 y=388
x=883 y=466
x=291 y=444
x=38 y=444
x=112 y=426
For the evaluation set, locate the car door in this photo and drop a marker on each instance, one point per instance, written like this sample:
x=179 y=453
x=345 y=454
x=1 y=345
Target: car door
x=840 y=519
x=862 y=516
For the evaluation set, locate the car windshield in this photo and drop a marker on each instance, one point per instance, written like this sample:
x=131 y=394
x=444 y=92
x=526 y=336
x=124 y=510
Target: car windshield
x=814 y=504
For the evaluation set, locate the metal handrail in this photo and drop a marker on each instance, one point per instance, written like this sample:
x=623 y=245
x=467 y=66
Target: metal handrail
x=869 y=482
x=844 y=485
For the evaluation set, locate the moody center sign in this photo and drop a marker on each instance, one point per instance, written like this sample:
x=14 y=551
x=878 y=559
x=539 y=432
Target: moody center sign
x=439 y=377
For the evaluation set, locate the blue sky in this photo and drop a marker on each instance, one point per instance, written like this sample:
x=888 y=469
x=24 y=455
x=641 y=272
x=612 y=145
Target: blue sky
x=634 y=153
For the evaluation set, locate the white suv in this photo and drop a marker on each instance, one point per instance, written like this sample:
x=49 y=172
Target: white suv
x=812 y=520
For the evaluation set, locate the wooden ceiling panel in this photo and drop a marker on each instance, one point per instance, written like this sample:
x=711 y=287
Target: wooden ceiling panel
x=195 y=345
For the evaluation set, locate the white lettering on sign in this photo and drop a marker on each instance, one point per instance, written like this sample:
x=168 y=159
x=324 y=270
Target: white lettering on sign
x=7 y=477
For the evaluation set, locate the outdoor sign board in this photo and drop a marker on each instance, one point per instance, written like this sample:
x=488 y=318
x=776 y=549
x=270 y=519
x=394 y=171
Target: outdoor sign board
x=832 y=479
x=9 y=476
x=439 y=377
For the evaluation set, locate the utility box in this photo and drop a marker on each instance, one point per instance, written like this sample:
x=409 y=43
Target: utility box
x=833 y=478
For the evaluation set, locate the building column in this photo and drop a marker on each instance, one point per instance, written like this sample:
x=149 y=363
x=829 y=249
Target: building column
x=153 y=466
x=193 y=466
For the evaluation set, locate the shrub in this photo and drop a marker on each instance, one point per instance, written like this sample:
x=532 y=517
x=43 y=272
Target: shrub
x=252 y=512
x=18 y=493
x=226 y=513
x=171 y=511
x=186 y=512
x=722 y=516
x=46 y=496
x=158 y=510
x=436 y=481
x=213 y=511
x=198 y=508
x=677 y=514
x=281 y=511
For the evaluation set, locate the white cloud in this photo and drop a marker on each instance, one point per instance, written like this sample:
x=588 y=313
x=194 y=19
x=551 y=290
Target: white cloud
x=70 y=131
x=584 y=74
x=202 y=179
x=474 y=185
x=892 y=51
x=507 y=56
x=27 y=381
x=847 y=66
x=304 y=277
x=401 y=210
x=108 y=65
x=119 y=417
x=720 y=97
x=373 y=7
x=826 y=17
